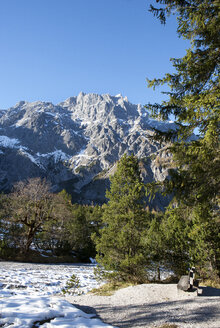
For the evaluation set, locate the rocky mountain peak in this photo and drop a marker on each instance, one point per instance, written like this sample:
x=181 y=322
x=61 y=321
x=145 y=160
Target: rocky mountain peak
x=71 y=143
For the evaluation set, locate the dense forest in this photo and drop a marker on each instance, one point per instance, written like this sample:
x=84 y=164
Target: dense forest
x=127 y=239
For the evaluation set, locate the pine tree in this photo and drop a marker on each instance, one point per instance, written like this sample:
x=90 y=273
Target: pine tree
x=194 y=101
x=120 y=245
x=78 y=230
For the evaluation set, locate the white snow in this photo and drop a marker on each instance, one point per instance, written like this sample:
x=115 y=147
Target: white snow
x=8 y=142
x=56 y=115
x=32 y=158
x=77 y=159
x=162 y=125
x=58 y=155
x=28 y=295
x=82 y=152
x=21 y=122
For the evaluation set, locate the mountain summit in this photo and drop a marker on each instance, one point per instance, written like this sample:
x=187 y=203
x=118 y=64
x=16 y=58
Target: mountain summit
x=75 y=144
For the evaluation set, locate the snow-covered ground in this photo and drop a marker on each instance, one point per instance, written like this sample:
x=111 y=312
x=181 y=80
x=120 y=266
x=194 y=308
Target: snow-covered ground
x=29 y=296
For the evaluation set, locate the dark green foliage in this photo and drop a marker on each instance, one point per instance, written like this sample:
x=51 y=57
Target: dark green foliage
x=194 y=100
x=184 y=237
x=78 y=229
x=120 y=245
x=51 y=236
x=192 y=228
x=71 y=232
x=192 y=237
x=197 y=180
x=155 y=246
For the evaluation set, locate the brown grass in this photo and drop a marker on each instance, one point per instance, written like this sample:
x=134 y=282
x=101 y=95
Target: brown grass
x=215 y=283
x=168 y=325
x=109 y=288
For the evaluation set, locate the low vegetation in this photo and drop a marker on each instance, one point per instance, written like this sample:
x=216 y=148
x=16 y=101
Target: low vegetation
x=168 y=325
x=214 y=282
x=72 y=286
x=109 y=289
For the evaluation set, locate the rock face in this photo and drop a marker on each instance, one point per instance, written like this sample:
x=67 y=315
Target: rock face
x=77 y=143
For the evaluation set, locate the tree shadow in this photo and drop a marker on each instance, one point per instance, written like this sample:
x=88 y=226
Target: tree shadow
x=87 y=309
x=209 y=291
x=191 y=311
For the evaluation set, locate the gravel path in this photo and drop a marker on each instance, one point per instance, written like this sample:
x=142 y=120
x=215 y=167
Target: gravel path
x=152 y=305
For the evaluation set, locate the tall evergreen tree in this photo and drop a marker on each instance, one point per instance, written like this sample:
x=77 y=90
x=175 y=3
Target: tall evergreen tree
x=194 y=101
x=85 y=221
x=120 y=245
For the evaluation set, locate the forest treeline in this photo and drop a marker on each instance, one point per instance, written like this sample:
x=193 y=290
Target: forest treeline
x=33 y=220
x=127 y=239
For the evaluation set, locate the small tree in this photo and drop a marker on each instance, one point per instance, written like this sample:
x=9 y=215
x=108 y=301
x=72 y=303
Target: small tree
x=30 y=206
x=72 y=286
x=120 y=245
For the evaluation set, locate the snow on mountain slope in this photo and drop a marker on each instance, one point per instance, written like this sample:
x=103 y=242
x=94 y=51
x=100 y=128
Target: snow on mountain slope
x=72 y=142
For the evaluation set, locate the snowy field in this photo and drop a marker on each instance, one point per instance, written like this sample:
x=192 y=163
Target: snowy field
x=29 y=296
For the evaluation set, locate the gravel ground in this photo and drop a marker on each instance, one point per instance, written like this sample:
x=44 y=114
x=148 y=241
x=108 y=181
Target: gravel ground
x=152 y=305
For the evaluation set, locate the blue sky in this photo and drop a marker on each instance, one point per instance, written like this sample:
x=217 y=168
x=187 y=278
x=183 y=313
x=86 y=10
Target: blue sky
x=53 y=49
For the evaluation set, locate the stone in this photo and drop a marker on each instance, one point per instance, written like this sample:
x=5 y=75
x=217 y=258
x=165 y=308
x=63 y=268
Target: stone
x=183 y=283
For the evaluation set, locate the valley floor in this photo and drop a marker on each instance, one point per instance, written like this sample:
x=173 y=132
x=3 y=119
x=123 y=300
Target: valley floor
x=30 y=297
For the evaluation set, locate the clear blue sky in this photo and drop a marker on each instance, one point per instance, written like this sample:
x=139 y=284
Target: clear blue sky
x=53 y=49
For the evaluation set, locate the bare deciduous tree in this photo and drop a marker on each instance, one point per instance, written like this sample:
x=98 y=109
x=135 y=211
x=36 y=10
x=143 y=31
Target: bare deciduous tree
x=31 y=205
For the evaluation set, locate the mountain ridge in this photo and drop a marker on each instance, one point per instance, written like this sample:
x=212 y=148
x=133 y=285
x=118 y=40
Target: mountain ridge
x=73 y=142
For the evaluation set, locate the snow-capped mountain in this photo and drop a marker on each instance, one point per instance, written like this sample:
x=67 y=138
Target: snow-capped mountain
x=75 y=144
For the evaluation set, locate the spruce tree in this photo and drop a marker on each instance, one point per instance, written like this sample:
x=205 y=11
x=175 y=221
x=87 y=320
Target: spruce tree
x=120 y=245
x=194 y=102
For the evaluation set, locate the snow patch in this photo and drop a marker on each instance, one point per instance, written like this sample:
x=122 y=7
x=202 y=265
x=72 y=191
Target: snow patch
x=27 y=296
x=24 y=312
x=32 y=158
x=162 y=125
x=21 y=122
x=77 y=159
x=9 y=142
x=58 y=155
